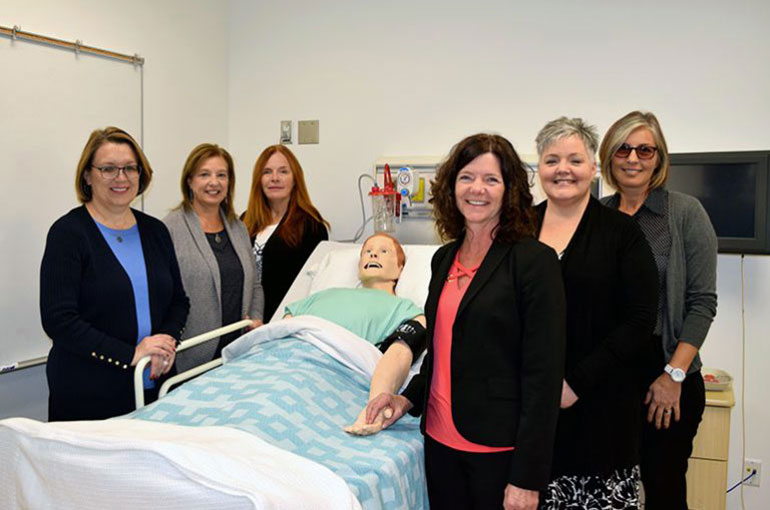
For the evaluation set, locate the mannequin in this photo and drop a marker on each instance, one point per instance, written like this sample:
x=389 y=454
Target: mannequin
x=379 y=268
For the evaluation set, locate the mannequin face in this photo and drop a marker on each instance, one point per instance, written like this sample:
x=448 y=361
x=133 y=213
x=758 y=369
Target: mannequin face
x=378 y=262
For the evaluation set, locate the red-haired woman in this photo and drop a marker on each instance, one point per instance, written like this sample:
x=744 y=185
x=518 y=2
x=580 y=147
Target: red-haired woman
x=283 y=224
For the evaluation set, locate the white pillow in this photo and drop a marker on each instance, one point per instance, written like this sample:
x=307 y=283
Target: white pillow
x=339 y=268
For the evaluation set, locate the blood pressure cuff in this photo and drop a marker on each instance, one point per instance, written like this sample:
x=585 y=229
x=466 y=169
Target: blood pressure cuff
x=410 y=332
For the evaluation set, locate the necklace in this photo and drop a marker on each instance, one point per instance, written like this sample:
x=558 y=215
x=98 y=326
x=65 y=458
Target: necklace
x=217 y=238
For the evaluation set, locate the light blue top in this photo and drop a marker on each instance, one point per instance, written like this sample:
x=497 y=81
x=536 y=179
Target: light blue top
x=127 y=247
x=371 y=314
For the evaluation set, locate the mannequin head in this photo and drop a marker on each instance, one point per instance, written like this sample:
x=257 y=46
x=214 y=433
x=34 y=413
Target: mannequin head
x=382 y=259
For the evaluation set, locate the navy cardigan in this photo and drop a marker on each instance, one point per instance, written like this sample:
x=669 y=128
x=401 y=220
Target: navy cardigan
x=87 y=309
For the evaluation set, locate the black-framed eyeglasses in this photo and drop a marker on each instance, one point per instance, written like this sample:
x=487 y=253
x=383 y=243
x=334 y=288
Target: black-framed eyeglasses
x=642 y=151
x=112 y=172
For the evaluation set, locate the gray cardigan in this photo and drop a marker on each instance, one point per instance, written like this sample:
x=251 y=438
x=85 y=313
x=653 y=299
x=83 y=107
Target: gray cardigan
x=200 y=276
x=691 y=275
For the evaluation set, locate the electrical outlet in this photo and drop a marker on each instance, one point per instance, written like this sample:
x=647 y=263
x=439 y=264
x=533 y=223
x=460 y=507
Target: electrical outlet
x=749 y=466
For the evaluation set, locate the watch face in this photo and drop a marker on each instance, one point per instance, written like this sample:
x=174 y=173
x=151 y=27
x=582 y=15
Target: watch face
x=677 y=374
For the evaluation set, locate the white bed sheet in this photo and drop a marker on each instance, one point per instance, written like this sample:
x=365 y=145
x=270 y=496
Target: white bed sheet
x=134 y=464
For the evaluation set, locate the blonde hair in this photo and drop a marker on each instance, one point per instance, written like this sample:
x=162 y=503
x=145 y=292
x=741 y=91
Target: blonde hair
x=617 y=135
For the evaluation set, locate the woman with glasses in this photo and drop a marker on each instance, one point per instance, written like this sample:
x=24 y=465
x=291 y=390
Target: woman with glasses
x=214 y=253
x=609 y=279
x=110 y=289
x=635 y=161
x=283 y=224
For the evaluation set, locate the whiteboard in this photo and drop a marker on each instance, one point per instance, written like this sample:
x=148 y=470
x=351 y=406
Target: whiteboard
x=50 y=101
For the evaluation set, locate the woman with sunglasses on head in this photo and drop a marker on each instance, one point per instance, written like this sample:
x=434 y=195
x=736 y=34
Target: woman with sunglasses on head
x=283 y=224
x=110 y=289
x=635 y=161
x=609 y=279
x=214 y=253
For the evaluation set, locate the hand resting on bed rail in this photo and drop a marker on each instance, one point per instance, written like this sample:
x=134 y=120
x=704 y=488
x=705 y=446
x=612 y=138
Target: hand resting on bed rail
x=373 y=311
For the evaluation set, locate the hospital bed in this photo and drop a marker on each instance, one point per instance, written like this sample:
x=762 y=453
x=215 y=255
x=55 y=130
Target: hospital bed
x=262 y=431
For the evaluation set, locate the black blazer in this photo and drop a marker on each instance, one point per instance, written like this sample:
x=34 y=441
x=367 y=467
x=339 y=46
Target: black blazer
x=281 y=263
x=611 y=284
x=87 y=309
x=507 y=354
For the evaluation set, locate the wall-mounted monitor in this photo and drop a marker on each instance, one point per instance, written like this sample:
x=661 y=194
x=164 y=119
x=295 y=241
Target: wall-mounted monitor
x=734 y=188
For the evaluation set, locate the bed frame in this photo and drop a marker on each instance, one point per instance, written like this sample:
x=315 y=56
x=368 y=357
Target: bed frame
x=188 y=374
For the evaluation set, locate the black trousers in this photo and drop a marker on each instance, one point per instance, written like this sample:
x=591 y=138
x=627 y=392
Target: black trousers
x=665 y=452
x=460 y=480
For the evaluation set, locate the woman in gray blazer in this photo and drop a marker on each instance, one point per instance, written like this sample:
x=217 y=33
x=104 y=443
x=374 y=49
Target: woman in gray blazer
x=214 y=253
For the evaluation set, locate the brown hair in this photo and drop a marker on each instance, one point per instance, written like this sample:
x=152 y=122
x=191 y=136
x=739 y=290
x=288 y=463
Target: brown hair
x=517 y=217
x=98 y=138
x=617 y=135
x=258 y=215
x=400 y=255
x=197 y=157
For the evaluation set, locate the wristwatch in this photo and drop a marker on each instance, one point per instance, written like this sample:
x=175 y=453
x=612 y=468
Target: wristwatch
x=677 y=374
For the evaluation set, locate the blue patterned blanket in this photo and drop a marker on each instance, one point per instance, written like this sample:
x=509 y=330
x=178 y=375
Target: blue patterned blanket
x=290 y=393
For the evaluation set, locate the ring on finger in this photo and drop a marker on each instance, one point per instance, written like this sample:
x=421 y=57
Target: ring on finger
x=667 y=412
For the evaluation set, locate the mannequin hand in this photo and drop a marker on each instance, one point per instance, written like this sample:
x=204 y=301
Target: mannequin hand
x=380 y=405
x=361 y=428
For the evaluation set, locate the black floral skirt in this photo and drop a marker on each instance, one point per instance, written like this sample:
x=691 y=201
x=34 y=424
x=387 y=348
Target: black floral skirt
x=620 y=491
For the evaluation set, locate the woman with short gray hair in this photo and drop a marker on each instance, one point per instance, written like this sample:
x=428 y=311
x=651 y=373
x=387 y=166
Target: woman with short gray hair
x=609 y=280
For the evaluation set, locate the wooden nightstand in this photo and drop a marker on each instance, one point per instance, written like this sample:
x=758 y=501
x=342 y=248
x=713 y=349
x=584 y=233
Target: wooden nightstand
x=707 y=471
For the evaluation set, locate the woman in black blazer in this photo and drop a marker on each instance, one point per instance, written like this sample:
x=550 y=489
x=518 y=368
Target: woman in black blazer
x=110 y=289
x=610 y=282
x=488 y=390
x=283 y=224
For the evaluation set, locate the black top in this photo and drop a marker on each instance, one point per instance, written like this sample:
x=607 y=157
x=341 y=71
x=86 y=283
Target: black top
x=611 y=285
x=231 y=278
x=281 y=263
x=652 y=218
x=507 y=354
x=87 y=308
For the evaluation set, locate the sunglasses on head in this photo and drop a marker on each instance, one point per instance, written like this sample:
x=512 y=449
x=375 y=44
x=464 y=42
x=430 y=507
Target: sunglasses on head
x=642 y=151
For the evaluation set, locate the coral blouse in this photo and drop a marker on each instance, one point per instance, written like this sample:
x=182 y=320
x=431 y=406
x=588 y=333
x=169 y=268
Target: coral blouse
x=439 y=423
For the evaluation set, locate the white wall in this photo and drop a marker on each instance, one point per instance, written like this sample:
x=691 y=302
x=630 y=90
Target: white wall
x=185 y=102
x=392 y=78
x=401 y=77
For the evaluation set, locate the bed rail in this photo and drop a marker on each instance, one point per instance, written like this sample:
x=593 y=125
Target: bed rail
x=185 y=344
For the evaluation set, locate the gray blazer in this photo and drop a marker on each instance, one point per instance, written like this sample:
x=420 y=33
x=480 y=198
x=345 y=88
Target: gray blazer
x=201 y=280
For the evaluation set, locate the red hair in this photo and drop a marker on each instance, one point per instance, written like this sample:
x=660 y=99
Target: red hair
x=400 y=255
x=258 y=214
